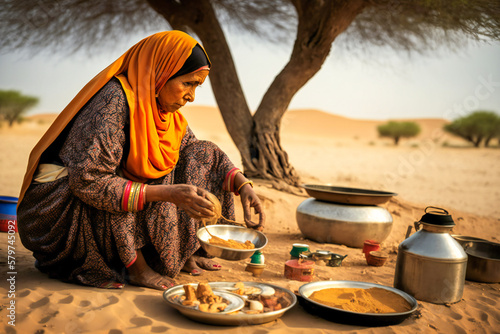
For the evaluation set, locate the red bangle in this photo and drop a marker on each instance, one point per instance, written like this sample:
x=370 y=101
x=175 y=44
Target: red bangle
x=227 y=180
x=142 y=197
x=131 y=262
x=126 y=194
x=139 y=200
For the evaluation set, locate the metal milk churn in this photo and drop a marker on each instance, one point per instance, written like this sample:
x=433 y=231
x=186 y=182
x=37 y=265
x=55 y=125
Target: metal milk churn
x=431 y=265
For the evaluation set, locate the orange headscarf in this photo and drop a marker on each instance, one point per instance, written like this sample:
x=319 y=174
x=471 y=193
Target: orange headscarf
x=155 y=136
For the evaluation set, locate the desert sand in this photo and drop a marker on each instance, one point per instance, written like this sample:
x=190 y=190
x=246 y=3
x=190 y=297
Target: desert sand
x=433 y=169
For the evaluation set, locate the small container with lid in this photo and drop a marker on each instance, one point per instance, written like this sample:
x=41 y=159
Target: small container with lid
x=431 y=265
x=300 y=270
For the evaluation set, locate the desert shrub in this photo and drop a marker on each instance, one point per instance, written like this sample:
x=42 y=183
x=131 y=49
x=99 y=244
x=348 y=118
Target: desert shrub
x=477 y=127
x=13 y=105
x=398 y=130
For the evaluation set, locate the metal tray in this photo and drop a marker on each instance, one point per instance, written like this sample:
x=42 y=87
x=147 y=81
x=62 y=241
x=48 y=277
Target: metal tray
x=348 y=317
x=229 y=319
x=347 y=195
x=234 y=302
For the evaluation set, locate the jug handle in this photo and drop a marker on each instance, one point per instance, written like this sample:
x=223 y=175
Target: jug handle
x=417 y=225
x=440 y=210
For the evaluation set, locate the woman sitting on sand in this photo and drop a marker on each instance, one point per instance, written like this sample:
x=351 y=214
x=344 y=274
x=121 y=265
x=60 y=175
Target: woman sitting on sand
x=118 y=184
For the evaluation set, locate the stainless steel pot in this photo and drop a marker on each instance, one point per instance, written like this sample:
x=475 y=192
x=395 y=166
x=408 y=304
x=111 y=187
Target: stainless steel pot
x=343 y=224
x=431 y=265
x=484 y=262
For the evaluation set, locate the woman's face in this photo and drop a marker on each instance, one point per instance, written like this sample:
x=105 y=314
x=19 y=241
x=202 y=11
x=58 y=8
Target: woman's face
x=180 y=90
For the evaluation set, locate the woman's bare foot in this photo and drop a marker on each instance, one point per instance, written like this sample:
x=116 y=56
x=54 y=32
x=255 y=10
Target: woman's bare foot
x=195 y=265
x=142 y=275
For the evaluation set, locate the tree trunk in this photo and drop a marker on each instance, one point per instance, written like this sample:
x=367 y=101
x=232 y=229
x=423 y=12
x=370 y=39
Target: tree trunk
x=396 y=141
x=258 y=138
x=487 y=141
x=320 y=22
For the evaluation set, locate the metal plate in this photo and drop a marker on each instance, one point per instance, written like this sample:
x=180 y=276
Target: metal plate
x=348 y=195
x=233 y=319
x=348 y=317
x=226 y=232
x=172 y=296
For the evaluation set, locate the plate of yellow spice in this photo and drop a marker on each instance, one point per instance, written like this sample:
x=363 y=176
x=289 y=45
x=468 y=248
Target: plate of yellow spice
x=359 y=303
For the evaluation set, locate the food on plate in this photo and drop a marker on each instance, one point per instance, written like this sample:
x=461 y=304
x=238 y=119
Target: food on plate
x=190 y=296
x=261 y=299
x=203 y=298
x=372 y=300
x=242 y=290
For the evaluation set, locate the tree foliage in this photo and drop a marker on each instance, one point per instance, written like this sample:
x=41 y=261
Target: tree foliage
x=313 y=25
x=478 y=127
x=69 y=25
x=13 y=105
x=398 y=130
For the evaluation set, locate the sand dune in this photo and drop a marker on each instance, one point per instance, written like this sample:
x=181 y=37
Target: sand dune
x=323 y=148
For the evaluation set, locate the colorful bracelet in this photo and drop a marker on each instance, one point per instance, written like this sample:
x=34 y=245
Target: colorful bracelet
x=131 y=198
x=126 y=194
x=237 y=192
x=229 y=180
x=142 y=197
x=134 y=196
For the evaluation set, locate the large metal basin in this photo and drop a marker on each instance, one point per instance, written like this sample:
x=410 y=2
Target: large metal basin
x=348 y=225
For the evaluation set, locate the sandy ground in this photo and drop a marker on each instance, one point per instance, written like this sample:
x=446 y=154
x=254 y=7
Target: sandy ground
x=432 y=169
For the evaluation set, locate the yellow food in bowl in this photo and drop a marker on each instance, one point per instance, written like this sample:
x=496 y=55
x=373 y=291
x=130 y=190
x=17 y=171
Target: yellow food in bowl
x=216 y=241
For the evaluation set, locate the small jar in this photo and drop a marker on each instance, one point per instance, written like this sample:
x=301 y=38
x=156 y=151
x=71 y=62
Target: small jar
x=298 y=249
x=257 y=258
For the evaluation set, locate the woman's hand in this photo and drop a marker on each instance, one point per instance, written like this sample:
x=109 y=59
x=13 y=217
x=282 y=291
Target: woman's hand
x=249 y=199
x=190 y=198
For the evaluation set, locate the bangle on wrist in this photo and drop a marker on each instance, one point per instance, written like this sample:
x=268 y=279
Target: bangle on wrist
x=229 y=181
x=237 y=192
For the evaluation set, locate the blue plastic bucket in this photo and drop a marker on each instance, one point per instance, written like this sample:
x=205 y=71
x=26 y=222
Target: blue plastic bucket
x=8 y=216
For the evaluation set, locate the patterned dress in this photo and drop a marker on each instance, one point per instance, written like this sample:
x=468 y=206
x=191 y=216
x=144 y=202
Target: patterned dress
x=75 y=225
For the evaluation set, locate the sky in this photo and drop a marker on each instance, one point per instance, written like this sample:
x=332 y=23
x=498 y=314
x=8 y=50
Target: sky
x=374 y=85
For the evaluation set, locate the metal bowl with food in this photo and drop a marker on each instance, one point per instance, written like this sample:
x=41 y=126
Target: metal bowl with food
x=232 y=232
x=347 y=195
x=354 y=318
x=234 y=318
x=173 y=297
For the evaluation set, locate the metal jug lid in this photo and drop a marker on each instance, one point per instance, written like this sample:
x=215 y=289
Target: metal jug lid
x=437 y=216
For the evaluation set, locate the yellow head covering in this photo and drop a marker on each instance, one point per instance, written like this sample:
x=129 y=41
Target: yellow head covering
x=155 y=136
